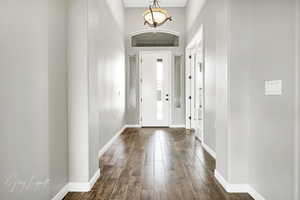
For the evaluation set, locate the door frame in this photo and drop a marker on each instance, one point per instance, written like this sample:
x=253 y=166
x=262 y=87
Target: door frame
x=141 y=53
x=196 y=43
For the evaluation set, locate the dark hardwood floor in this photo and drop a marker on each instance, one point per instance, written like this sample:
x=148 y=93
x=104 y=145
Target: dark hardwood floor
x=156 y=164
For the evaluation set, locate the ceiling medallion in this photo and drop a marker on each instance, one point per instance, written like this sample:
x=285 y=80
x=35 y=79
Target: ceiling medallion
x=155 y=15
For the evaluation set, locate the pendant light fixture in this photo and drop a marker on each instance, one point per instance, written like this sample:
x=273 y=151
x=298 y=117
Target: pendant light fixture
x=155 y=15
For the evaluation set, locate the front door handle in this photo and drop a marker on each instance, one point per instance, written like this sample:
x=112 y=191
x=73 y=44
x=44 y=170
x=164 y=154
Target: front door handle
x=167 y=99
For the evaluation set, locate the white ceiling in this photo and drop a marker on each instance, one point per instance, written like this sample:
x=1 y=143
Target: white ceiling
x=163 y=3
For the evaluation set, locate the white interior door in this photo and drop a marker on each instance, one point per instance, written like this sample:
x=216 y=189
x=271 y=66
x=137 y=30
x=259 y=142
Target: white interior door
x=155 y=88
x=195 y=91
x=198 y=116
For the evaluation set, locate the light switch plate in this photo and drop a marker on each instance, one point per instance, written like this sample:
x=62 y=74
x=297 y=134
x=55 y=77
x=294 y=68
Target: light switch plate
x=273 y=87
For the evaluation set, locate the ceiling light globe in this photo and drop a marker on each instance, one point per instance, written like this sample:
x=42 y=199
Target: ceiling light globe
x=156 y=16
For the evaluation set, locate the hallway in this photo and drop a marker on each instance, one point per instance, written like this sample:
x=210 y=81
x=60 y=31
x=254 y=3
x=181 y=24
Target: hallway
x=87 y=85
x=154 y=164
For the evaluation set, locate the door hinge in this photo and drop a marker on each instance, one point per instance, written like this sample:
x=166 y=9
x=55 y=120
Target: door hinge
x=141 y=119
x=141 y=60
x=141 y=99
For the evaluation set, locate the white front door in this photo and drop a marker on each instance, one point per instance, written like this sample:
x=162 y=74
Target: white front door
x=155 y=74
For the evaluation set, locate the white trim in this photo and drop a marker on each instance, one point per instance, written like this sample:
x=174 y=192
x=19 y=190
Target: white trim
x=196 y=44
x=140 y=87
x=231 y=188
x=84 y=187
x=156 y=125
x=177 y=126
x=112 y=140
x=157 y=30
x=151 y=30
x=62 y=193
x=254 y=194
x=187 y=88
x=238 y=188
x=133 y=126
x=209 y=150
x=94 y=179
x=87 y=186
x=77 y=187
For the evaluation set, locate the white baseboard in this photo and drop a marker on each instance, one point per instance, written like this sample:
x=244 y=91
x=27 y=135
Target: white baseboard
x=112 y=140
x=140 y=126
x=94 y=178
x=209 y=150
x=255 y=195
x=84 y=187
x=62 y=193
x=133 y=126
x=231 y=188
x=177 y=126
x=238 y=188
x=87 y=186
x=77 y=187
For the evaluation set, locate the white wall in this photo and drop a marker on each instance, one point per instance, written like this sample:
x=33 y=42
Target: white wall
x=33 y=99
x=200 y=13
x=97 y=82
x=111 y=70
x=78 y=92
x=106 y=74
x=58 y=94
x=239 y=73
x=222 y=70
x=193 y=10
x=34 y=93
x=135 y=23
x=297 y=135
x=255 y=134
x=258 y=146
x=272 y=117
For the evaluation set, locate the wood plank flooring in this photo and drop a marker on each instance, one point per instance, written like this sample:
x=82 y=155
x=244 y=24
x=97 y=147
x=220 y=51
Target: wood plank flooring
x=156 y=164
